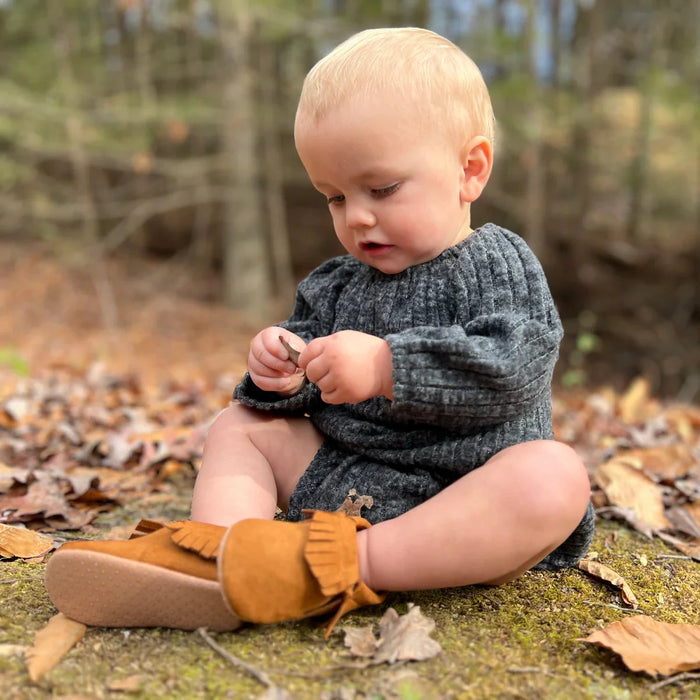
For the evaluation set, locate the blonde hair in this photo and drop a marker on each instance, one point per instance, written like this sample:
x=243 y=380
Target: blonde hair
x=415 y=63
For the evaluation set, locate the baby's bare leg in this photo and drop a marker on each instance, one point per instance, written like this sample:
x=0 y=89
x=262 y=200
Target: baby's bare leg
x=488 y=527
x=252 y=462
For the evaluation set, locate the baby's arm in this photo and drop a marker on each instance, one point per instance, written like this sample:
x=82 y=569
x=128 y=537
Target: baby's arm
x=349 y=367
x=488 y=371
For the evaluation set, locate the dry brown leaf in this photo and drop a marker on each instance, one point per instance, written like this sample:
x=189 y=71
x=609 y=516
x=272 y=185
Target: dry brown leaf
x=51 y=644
x=605 y=573
x=691 y=548
x=361 y=640
x=401 y=638
x=354 y=504
x=23 y=543
x=693 y=511
x=130 y=684
x=685 y=518
x=657 y=648
x=686 y=420
x=628 y=488
x=634 y=405
x=664 y=463
x=9 y=476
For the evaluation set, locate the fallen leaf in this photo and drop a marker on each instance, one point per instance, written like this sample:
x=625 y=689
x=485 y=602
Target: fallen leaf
x=401 y=638
x=657 y=648
x=605 y=573
x=627 y=487
x=361 y=640
x=130 y=684
x=686 y=420
x=691 y=548
x=10 y=476
x=51 y=644
x=693 y=510
x=663 y=463
x=634 y=405
x=406 y=637
x=685 y=518
x=353 y=504
x=23 y=543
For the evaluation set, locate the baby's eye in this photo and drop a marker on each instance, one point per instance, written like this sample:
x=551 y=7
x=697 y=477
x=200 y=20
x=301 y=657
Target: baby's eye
x=336 y=199
x=381 y=192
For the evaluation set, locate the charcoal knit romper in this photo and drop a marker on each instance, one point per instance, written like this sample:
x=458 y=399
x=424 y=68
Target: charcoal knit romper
x=474 y=337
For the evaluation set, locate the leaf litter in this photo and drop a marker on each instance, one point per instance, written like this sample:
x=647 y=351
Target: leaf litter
x=73 y=446
x=644 y=460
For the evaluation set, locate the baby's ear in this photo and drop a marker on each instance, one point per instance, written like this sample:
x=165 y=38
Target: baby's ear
x=477 y=161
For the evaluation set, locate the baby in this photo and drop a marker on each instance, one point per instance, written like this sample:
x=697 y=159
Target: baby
x=415 y=370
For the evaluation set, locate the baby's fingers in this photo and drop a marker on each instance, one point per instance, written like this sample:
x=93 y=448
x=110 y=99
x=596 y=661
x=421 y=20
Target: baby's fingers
x=264 y=369
x=311 y=352
x=261 y=359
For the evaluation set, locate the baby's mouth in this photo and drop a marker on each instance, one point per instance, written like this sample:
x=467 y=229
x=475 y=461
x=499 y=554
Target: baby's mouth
x=372 y=247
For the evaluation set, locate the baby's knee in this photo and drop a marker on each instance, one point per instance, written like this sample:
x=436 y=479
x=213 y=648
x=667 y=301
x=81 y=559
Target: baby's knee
x=235 y=418
x=564 y=484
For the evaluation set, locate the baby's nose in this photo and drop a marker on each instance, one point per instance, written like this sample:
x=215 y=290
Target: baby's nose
x=358 y=215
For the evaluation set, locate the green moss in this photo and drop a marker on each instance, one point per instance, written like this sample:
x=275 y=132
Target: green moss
x=516 y=641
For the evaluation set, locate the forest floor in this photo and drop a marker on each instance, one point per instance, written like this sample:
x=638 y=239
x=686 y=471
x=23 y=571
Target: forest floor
x=166 y=368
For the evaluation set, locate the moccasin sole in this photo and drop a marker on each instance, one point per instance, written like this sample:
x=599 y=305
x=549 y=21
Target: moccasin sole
x=118 y=592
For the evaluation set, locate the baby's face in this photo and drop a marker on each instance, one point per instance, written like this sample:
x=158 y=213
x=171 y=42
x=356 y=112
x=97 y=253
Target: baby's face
x=392 y=180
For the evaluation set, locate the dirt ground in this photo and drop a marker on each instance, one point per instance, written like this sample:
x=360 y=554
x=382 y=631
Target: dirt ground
x=132 y=315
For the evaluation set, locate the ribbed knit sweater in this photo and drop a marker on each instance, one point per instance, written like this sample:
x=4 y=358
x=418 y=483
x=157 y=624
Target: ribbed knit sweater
x=474 y=336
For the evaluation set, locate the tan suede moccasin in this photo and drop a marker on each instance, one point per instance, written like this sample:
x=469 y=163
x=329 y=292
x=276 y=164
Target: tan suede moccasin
x=167 y=578
x=187 y=574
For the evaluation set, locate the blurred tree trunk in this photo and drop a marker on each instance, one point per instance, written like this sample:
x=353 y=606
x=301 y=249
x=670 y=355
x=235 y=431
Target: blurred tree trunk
x=144 y=48
x=278 y=235
x=246 y=277
x=587 y=81
x=535 y=166
x=640 y=163
x=555 y=45
x=63 y=32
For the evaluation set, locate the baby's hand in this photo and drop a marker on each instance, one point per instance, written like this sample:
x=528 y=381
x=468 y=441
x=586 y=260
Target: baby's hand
x=269 y=363
x=349 y=367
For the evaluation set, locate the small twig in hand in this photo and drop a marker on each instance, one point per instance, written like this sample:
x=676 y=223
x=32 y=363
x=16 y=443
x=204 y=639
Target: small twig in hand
x=678 y=678
x=239 y=663
x=293 y=354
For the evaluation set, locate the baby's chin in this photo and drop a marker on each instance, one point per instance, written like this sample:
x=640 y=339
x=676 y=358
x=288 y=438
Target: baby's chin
x=397 y=265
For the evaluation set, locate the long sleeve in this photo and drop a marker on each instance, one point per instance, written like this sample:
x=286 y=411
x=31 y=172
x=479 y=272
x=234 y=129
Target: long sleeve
x=486 y=372
x=499 y=361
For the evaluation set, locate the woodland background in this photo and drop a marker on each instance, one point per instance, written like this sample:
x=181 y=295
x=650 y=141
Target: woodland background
x=142 y=135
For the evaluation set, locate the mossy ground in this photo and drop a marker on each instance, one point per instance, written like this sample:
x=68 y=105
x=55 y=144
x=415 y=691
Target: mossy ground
x=516 y=641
